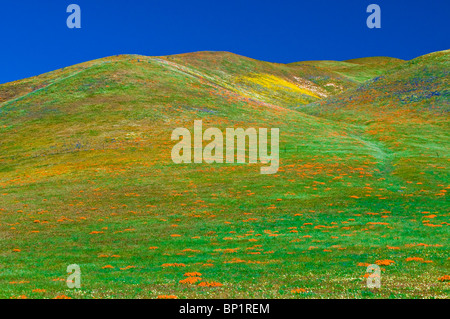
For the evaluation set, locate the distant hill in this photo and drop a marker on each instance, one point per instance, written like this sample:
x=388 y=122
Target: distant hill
x=357 y=70
x=300 y=83
x=421 y=84
x=105 y=99
x=406 y=109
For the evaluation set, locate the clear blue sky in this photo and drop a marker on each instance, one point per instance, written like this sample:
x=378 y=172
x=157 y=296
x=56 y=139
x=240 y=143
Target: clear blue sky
x=35 y=39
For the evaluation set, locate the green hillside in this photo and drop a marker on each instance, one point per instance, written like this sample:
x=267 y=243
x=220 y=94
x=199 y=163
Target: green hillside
x=86 y=178
x=418 y=85
x=356 y=70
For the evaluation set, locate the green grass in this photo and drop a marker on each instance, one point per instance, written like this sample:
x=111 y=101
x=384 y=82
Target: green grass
x=89 y=151
x=357 y=70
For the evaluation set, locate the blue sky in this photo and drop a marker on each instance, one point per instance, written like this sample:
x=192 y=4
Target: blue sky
x=35 y=39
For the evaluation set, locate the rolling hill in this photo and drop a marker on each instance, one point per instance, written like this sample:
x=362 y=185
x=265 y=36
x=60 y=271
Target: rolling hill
x=417 y=85
x=86 y=178
x=357 y=70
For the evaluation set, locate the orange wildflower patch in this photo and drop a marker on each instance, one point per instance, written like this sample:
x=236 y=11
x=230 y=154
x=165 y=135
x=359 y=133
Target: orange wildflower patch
x=167 y=297
x=39 y=290
x=192 y=274
x=107 y=266
x=298 y=291
x=127 y=267
x=414 y=259
x=432 y=225
x=384 y=262
x=363 y=264
x=444 y=278
x=190 y=280
x=367 y=275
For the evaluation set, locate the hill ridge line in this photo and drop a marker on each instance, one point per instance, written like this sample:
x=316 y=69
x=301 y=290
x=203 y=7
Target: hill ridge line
x=56 y=81
x=215 y=82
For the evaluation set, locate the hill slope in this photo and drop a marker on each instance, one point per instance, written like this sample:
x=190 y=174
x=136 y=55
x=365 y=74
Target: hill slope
x=420 y=84
x=86 y=178
x=405 y=111
x=356 y=70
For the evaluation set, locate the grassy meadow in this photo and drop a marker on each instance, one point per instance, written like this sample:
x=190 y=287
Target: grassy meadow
x=86 y=178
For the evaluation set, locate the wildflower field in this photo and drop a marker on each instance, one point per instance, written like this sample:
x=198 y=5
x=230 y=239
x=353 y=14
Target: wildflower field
x=86 y=178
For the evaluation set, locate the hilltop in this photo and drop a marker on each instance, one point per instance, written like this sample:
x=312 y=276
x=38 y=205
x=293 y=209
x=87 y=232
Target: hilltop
x=300 y=82
x=357 y=70
x=421 y=84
